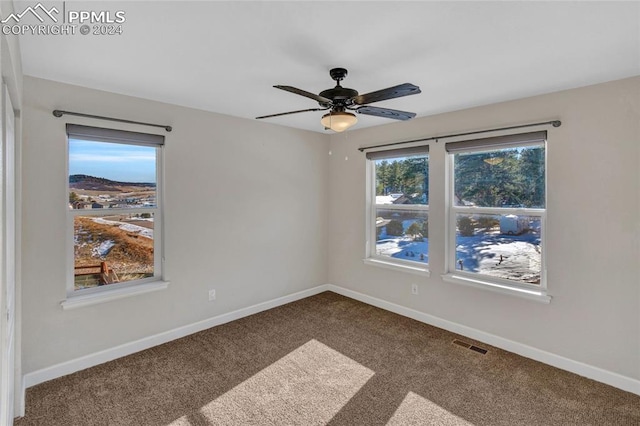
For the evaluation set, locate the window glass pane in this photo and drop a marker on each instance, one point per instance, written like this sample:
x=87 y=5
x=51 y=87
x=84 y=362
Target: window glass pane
x=512 y=177
x=111 y=175
x=503 y=246
x=111 y=249
x=402 y=180
x=402 y=234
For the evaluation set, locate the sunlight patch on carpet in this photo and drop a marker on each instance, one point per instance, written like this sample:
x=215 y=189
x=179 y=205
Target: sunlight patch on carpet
x=306 y=387
x=416 y=410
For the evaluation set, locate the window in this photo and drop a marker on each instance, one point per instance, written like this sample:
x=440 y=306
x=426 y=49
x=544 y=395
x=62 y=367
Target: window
x=497 y=211
x=114 y=208
x=399 y=208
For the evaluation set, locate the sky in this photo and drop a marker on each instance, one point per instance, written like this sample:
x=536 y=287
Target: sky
x=113 y=161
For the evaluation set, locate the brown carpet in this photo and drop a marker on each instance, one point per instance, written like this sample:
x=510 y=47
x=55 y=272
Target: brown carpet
x=323 y=360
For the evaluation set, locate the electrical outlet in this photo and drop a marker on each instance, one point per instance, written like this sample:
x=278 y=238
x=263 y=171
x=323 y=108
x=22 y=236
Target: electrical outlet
x=414 y=288
x=212 y=295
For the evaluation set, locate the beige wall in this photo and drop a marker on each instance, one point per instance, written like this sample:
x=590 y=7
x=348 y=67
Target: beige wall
x=593 y=227
x=245 y=214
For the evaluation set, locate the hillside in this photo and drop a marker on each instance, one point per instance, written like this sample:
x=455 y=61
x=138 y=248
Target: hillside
x=92 y=183
x=125 y=247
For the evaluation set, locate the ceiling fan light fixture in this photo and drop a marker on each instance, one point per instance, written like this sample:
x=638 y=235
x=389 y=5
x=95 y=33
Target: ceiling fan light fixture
x=338 y=121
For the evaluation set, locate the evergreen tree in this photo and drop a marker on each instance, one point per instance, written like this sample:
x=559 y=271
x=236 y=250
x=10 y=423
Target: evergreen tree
x=382 y=177
x=533 y=172
x=509 y=177
x=408 y=176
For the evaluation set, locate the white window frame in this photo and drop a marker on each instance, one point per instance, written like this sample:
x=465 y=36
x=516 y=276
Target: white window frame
x=536 y=292
x=89 y=296
x=371 y=256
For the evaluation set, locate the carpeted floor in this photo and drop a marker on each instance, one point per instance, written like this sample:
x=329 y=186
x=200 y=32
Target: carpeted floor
x=323 y=360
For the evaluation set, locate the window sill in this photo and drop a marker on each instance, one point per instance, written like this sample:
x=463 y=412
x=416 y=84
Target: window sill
x=417 y=270
x=530 y=294
x=73 y=302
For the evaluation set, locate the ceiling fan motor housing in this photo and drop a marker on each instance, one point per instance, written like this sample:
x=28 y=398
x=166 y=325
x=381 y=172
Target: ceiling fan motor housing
x=339 y=95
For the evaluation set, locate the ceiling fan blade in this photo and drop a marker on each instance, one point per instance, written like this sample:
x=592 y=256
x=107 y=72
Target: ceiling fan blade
x=292 y=112
x=400 y=90
x=317 y=98
x=386 y=113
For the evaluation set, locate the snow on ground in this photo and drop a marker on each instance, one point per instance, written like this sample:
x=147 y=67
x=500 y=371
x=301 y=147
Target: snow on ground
x=521 y=261
x=514 y=257
x=404 y=248
x=129 y=227
x=103 y=249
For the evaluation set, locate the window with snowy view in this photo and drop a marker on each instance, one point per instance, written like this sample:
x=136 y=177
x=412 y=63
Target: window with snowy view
x=400 y=207
x=497 y=209
x=113 y=191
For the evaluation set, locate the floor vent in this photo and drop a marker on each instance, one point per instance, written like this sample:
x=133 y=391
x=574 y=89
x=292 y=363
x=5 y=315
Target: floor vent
x=470 y=346
x=477 y=349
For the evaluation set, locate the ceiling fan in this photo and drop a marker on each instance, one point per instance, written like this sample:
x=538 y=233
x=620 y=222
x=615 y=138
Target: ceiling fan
x=340 y=100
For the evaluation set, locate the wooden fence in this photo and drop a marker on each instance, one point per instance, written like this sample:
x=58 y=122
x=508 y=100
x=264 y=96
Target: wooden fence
x=102 y=273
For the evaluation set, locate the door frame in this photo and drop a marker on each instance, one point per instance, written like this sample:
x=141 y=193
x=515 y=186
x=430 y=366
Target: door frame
x=8 y=270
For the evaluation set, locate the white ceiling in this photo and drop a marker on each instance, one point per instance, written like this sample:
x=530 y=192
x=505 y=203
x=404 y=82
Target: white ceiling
x=226 y=56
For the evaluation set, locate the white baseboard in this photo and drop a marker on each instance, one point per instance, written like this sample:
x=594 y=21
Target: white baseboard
x=598 y=374
x=68 y=367
x=36 y=377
